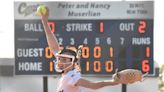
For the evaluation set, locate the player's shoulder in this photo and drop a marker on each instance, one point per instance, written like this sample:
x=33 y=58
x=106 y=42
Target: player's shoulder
x=73 y=73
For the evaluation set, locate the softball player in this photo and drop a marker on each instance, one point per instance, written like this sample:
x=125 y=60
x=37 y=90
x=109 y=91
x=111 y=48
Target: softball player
x=67 y=65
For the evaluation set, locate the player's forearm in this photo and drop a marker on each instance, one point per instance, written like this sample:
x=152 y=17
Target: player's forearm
x=103 y=84
x=95 y=85
x=51 y=38
x=110 y=83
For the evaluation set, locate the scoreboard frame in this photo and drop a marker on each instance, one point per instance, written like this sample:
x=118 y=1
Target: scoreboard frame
x=96 y=25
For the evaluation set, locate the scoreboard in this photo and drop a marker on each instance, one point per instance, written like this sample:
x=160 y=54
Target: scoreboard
x=115 y=35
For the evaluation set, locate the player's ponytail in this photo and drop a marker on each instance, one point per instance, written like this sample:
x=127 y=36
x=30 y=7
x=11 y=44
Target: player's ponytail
x=78 y=57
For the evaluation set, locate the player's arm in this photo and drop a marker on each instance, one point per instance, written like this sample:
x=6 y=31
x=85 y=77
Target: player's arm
x=51 y=38
x=95 y=85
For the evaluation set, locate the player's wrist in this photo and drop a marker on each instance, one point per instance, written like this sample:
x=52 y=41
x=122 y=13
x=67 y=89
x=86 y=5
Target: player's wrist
x=44 y=21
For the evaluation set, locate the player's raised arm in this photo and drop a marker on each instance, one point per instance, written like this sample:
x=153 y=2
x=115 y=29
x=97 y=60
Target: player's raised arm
x=51 y=38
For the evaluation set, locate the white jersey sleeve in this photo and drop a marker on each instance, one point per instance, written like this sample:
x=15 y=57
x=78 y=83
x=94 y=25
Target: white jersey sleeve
x=68 y=81
x=74 y=77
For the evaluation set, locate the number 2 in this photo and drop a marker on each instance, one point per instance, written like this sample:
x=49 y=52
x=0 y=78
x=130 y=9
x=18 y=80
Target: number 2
x=142 y=26
x=60 y=41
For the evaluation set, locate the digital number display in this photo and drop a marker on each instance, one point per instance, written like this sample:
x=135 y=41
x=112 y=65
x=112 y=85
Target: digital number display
x=109 y=44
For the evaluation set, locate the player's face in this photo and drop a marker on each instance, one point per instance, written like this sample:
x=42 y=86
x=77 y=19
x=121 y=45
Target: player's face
x=64 y=62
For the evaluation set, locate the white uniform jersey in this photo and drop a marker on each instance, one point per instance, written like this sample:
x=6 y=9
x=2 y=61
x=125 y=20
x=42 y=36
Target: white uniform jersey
x=67 y=82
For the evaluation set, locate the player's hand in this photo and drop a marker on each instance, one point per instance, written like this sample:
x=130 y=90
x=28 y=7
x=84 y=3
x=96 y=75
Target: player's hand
x=115 y=81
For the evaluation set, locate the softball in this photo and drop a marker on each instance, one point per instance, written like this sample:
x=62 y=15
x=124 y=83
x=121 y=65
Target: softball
x=41 y=10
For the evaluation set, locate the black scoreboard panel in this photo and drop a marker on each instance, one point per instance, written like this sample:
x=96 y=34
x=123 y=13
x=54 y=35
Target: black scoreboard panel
x=115 y=35
x=108 y=45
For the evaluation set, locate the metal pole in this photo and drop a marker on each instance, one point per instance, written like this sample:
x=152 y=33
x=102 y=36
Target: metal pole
x=124 y=88
x=45 y=84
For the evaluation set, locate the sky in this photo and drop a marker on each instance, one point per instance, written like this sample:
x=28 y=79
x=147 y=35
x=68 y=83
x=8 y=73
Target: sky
x=7 y=28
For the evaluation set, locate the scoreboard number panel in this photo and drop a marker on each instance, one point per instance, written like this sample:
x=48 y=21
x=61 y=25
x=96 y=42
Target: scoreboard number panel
x=110 y=42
